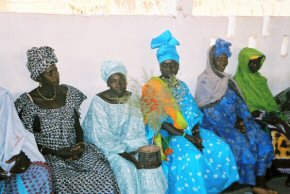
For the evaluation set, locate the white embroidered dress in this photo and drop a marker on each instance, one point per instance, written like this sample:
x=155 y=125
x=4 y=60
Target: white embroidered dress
x=118 y=128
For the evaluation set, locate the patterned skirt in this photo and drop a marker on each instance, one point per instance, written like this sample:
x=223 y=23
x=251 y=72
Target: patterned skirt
x=89 y=174
x=281 y=143
x=36 y=179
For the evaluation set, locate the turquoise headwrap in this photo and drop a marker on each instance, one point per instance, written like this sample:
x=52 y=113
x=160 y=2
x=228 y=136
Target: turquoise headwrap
x=222 y=47
x=165 y=43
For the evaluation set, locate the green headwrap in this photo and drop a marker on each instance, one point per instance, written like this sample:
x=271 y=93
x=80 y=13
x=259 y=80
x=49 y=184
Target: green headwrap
x=254 y=86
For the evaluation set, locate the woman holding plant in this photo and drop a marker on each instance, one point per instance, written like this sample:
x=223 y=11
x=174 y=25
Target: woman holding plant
x=114 y=124
x=200 y=162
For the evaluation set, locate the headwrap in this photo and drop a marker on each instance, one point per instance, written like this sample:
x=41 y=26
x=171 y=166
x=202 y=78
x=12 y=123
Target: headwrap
x=165 y=43
x=110 y=67
x=39 y=59
x=222 y=47
x=14 y=137
x=253 y=85
x=213 y=84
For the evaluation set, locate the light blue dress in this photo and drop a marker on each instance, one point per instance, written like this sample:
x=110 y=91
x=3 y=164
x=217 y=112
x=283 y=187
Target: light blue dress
x=118 y=128
x=188 y=169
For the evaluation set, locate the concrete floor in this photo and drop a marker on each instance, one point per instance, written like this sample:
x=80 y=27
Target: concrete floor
x=275 y=183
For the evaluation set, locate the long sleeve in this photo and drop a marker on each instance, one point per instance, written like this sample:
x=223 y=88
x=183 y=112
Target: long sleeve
x=97 y=127
x=241 y=108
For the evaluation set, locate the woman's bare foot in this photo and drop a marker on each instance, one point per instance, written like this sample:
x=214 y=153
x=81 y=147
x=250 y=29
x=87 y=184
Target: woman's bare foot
x=263 y=190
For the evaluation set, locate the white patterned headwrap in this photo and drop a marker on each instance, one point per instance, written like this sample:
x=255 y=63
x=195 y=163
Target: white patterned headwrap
x=39 y=59
x=110 y=67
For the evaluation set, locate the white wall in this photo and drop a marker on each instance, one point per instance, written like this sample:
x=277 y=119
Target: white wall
x=83 y=42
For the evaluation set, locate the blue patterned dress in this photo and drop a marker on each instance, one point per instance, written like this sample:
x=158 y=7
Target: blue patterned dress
x=253 y=150
x=190 y=170
x=26 y=182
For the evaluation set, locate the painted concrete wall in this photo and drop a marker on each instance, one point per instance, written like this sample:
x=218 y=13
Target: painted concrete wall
x=83 y=42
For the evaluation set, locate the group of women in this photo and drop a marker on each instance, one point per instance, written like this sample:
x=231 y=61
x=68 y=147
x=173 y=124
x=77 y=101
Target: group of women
x=222 y=137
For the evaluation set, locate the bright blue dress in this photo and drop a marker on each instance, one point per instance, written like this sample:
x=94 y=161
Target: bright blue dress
x=190 y=170
x=253 y=150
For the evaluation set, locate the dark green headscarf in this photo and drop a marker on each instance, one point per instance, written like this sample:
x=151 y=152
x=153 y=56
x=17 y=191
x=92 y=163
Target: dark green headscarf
x=254 y=86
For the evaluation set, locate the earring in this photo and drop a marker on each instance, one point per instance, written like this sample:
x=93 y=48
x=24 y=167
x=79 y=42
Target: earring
x=40 y=84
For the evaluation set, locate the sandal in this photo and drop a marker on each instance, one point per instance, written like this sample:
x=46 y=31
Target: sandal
x=261 y=190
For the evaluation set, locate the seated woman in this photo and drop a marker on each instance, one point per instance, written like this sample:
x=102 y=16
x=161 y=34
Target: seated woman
x=20 y=160
x=114 y=123
x=262 y=104
x=227 y=115
x=255 y=89
x=50 y=111
x=197 y=161
x=283 y=100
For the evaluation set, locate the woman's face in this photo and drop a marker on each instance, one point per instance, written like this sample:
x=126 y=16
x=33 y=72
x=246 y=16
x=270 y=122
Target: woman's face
x=117 y=83
x=221 y=62
x=50 y=76
x=255 y=65
x=169 y=68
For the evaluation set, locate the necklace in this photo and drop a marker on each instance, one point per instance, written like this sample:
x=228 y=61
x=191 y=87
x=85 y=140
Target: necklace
x=49 y=99
x=172 y=82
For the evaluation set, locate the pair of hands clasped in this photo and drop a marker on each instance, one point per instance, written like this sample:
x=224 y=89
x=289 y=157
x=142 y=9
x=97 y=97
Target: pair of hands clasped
x=71 y=153
x=196 y=141
x=195 y=138
x=240 y=125
x=21 y=164
x=22 y=161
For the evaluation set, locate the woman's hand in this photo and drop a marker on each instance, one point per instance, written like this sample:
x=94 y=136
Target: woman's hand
x=273 y=119
x=79 y=150
x=257 y=114
x=21 y=163
x=195 y=130
x=196 y=141
x=136 y=163
x=195 y=138
x=240 y=125
x=130 y=157
x=71 y=153
x=3 y=174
